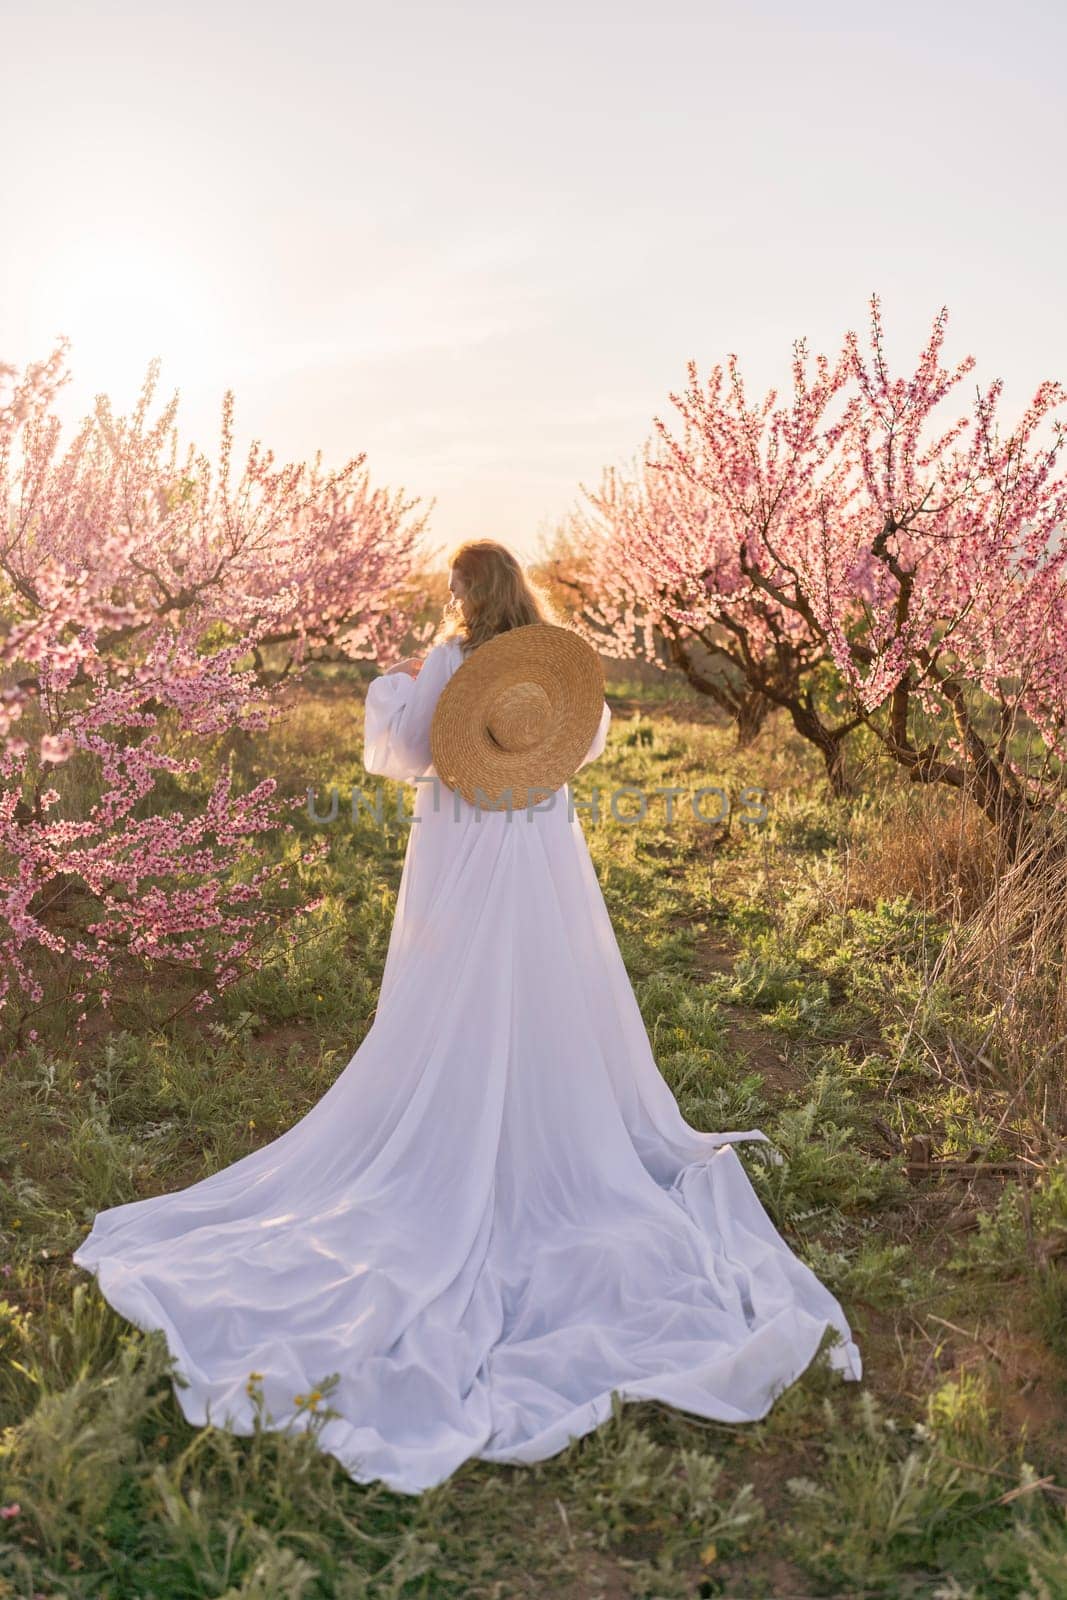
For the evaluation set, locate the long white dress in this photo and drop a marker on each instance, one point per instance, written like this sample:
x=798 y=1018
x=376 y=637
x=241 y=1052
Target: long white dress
x=497 y=1214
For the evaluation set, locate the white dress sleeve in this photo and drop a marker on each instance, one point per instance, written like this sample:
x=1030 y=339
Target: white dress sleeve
x=600 y=738
x=398 y=712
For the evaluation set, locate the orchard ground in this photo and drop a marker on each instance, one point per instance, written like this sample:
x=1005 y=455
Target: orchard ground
x=793 y=977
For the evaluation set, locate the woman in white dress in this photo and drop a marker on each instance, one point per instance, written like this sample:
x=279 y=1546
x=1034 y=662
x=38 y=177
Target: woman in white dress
x=497 y=1215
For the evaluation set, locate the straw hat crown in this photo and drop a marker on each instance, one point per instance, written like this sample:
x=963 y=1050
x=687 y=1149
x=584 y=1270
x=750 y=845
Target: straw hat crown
x=516 y=719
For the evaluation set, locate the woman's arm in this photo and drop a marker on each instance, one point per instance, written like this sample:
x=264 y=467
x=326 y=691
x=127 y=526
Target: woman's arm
x=600 y=738
x=398 y=712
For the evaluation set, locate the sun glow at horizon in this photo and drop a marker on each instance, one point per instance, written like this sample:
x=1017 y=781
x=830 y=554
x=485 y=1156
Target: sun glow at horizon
x=122 y=303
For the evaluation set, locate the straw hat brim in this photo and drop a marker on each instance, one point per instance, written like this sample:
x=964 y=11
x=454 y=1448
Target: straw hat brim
x=548 y=671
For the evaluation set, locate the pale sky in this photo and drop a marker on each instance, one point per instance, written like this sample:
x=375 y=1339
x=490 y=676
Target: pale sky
x=481 y=242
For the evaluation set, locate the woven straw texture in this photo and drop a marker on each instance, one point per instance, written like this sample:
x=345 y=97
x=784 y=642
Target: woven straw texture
x=514 y=722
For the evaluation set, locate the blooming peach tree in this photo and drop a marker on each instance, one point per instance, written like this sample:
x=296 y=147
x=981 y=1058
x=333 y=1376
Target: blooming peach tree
x=666 y=554
x=921 y=556
x=139 y=591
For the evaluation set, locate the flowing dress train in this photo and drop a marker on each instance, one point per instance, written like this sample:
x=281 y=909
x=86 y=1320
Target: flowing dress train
x=496 y=1215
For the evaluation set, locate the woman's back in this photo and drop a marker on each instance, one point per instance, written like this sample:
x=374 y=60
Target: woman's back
x=398 y=717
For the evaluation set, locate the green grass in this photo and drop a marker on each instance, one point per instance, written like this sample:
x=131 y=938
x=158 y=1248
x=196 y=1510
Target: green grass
x=772 y=1000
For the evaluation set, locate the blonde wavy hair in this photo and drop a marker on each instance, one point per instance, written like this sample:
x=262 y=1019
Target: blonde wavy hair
x=497 y=595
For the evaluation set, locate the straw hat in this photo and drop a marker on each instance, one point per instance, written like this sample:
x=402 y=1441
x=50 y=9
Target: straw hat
x=519 y=715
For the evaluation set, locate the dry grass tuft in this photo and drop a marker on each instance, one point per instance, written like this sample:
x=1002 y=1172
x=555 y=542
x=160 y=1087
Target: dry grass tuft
x=928 y=844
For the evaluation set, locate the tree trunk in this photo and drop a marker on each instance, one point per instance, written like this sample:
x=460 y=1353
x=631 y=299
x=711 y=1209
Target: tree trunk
x=830 y=744
x=751 y=712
